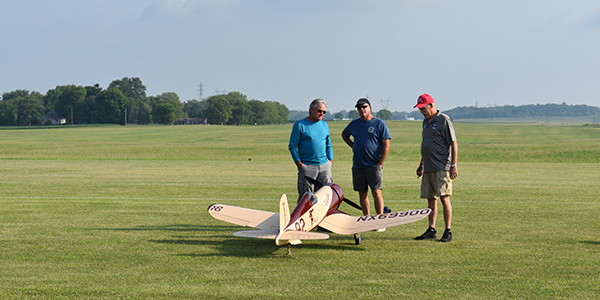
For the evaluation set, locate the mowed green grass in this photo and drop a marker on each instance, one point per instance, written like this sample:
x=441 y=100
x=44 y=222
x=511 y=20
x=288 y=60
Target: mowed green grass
x=120 y=213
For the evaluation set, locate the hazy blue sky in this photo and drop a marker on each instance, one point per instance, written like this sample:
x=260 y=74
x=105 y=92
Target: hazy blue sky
x=461 y=52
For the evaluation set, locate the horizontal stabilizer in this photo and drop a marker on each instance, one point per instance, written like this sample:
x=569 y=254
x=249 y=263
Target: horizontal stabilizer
x=303 y=235
x=245 y=216
x=342 y=223
x=259 y=234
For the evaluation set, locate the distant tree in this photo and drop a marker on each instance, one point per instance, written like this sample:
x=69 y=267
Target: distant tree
x=135 y=91
x=353 y=115
x=30 y=109
x=21 y=108
x=240 y=109
x=296 y=115
x=167 y=97
x=218 y=109
x=71 y=99
x=278 y=112
x=193 y=108
x=84 y=114
x=164 y=113
x=14 y=94
x=110 y=107
x=144 y=114
x=259 y=111
x=384 y=114
x=8 y=113
x=51 y=97
x=339 y=116
x=132 y=88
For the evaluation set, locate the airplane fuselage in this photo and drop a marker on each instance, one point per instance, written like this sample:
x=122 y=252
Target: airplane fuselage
x=313 y=208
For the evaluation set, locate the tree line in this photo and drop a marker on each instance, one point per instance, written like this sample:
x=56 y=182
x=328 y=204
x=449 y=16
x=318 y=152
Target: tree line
x=125 y=100
x=523 y=111
x=471 y=112
x=383 y=114
x=234 y=108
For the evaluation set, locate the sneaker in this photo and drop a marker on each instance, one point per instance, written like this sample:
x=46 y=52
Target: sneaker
x=430 y=233
x=447 y=237
x=380 y=230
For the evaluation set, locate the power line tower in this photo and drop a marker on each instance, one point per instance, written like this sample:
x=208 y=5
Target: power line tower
x=385 y=103
x=223 y=92
x=200 y=91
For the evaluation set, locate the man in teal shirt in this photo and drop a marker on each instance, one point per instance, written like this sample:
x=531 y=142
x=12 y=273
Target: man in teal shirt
x=310 y=147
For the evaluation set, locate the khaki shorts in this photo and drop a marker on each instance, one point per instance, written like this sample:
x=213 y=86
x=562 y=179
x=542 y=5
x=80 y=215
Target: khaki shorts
x=436 y=184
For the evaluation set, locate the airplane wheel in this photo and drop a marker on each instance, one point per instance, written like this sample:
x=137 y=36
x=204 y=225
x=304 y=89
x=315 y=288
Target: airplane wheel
x=357 y=239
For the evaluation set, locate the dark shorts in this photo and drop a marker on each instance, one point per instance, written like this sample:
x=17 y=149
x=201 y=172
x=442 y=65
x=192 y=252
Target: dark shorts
x=363 y=178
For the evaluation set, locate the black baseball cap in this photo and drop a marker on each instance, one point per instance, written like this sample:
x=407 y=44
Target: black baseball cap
x=362 y=101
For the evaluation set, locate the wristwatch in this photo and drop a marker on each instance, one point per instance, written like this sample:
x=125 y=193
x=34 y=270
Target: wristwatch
x=453 y=166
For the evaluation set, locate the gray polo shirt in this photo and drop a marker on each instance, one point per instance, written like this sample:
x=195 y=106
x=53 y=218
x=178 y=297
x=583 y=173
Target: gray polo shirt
x=438 y=135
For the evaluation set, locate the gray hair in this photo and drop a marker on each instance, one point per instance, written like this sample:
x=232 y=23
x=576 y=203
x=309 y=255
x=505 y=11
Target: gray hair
x=316 y=103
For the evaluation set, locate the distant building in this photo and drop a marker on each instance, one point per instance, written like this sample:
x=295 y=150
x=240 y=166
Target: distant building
x=54 y=118
x=191 y=121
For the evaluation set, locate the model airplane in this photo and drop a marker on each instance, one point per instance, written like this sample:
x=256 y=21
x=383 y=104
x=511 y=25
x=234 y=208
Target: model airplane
x=314 y=209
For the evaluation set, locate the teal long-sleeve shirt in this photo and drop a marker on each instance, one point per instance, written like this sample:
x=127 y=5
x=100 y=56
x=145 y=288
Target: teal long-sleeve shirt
x=310 y=142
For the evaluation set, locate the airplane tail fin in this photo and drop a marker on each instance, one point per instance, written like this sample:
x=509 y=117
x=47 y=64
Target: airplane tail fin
x=284 y=219
x=284 y=212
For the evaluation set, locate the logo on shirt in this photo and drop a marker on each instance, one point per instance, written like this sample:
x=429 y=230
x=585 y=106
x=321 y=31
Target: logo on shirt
x=371 y=129
x=434 y=126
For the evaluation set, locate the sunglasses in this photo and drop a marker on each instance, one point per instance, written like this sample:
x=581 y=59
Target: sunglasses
x=361 y=107
x=321 y=111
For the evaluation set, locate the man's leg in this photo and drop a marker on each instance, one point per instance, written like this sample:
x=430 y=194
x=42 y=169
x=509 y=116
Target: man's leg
x=378 y=199
x=432 y=216
x=364 y=203
x=447 y=206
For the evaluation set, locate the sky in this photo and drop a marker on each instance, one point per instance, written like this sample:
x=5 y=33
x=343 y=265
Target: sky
x=461 y=52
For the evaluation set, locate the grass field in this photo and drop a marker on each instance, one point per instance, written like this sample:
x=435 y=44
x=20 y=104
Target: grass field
x=120 y=213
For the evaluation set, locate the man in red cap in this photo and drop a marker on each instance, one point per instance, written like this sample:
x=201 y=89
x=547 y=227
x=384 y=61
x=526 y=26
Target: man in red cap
x=439 y=153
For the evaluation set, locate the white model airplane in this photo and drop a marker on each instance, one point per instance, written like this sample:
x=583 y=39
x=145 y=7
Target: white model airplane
x=314 y=209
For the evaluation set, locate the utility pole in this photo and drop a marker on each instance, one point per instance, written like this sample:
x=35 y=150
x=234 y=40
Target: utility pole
x=125 y=116
x=71 y=115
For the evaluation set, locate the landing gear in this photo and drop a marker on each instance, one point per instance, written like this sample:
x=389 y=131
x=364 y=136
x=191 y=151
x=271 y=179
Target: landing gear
x=357 y=239
x=289 y=249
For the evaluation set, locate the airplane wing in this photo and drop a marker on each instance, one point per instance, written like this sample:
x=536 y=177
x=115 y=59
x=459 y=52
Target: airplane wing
x=342 y=223
x=245 y=216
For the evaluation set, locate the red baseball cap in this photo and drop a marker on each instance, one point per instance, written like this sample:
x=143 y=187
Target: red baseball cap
x=424 y=100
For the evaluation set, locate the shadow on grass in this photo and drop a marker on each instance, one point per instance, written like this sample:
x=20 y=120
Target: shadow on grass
x=228 y=245
x=591 y=242
x=247 y=247
x=175 y=227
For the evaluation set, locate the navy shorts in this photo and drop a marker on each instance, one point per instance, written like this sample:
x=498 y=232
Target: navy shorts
x=363 y=178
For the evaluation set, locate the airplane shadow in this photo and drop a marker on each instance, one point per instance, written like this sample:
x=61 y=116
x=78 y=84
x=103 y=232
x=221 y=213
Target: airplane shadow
x=174 y=227
x=227 y=245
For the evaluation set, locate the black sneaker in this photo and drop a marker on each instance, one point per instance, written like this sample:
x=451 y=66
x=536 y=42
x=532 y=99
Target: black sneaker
x=447 y=237
x=430 y=233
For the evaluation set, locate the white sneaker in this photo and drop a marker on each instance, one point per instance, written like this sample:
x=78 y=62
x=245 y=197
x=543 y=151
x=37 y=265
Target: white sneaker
x=380 y=230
